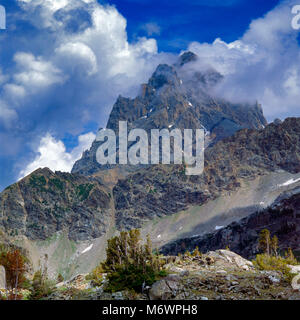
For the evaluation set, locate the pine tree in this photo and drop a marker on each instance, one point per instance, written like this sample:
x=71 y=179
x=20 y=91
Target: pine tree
x=196 y=252
x=129 y=262
x=264 y=241
x=274 y=246
x=60 y=278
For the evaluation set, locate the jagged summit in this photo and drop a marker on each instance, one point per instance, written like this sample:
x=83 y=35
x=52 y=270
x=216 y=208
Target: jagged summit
x=187 y=57
x=164 y=75
x=173 y=98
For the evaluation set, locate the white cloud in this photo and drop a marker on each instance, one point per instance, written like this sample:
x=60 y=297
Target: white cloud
x=86 y=55
x=66 y=76
x=151 y=28
x=35 y=72
x=53 y=154
x=263 y=65
x=7 y=116
x=77 y=55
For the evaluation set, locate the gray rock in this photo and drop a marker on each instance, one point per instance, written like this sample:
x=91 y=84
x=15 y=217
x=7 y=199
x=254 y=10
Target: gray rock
x=117 y=296
x=163 y=290
x=2 y=278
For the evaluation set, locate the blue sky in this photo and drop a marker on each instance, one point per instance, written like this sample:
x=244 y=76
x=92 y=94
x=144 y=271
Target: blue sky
x=182 y=22
x=64 y=62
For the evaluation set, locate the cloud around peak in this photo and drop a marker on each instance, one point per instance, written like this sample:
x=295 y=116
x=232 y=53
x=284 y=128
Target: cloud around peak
x=263 y=65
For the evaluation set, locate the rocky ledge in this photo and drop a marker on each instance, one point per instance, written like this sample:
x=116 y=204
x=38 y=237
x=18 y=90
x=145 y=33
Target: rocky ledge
x=217 y=275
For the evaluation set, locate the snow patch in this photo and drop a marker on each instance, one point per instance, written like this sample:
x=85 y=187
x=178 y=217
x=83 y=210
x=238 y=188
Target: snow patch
x=87 y=249
x=289 y=182
x=219 y=227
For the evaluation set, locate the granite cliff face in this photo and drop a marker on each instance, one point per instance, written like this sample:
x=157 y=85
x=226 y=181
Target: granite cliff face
x=178 y=97
x=45 y=202
x=165 y=190
x=282 y=218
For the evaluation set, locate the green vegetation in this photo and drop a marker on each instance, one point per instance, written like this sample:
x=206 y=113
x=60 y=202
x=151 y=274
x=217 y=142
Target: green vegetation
x=41 y=285
x=130 y=264
x=57 y=183
x=272 y=263
x=270 y=260
x=96 y=276
x=60 y=278
x=83 y=191
x=38 y=182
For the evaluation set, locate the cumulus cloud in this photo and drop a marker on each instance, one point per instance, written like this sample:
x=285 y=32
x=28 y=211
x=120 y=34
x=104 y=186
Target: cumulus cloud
x=263 y=65
x=68 y=74
x=53 y=155
x=86 y=59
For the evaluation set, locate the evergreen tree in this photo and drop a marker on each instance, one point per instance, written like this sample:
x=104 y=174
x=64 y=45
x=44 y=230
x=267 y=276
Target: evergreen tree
x=265 y=241
x=130 y=263
x=274 y=246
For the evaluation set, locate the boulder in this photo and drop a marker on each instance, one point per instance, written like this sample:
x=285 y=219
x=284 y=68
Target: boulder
x=2 y=278
x=164 y=290
x=294 y=269
x=226 y=257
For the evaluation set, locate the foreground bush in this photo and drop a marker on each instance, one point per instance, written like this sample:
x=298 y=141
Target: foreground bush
x=129 y=263
x=270 y=260
x=272 y=263
x=41 y=286
x=96 y=276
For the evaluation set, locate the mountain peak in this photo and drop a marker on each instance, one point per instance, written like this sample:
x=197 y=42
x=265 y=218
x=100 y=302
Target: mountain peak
x=187 y=57
x=164 y=74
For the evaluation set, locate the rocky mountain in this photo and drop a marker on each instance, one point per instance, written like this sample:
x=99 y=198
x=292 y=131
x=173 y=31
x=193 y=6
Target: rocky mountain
x=45 y=202
x=282 y=219
x=178 y=96
x=70 y=216
x=165 y=190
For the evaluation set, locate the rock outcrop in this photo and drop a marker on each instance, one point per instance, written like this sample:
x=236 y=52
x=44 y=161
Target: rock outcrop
x=2 y=278
x=217 y=275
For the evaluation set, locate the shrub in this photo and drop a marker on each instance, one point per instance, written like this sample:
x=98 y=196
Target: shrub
x=272 y=263
x=41 y=286
x=290 y=258
x=60 y=278
x=96 y=276
x=83 y=191
x=131 y=264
